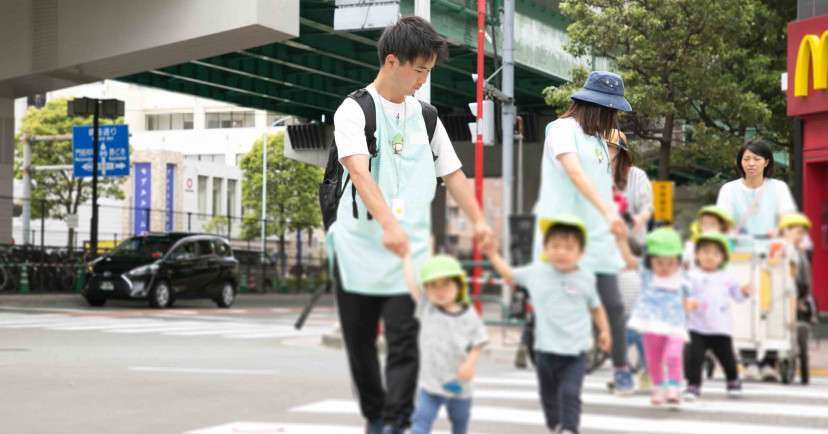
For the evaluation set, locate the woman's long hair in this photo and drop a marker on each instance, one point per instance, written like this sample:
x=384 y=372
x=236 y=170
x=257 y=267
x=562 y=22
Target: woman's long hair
x=593 y=118
x=620 y=168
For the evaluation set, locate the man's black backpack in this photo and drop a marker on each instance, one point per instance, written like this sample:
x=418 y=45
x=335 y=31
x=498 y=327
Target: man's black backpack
x=332 y=187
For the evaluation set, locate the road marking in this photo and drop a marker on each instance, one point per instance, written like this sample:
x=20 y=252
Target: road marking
x=508 y=415
x=720 y=407
x=282 y=428
x=203 y=370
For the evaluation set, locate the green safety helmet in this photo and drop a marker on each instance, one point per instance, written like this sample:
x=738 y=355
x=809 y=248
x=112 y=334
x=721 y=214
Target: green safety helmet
x=720 y=239
x=442 y=267
x=663 y=242
x=717 y=212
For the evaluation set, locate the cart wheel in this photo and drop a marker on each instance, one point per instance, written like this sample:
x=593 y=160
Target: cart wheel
x=787 y=370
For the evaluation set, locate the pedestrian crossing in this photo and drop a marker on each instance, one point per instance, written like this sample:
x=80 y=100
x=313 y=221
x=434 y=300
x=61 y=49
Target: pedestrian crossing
x=507 y=401
x=174 y=326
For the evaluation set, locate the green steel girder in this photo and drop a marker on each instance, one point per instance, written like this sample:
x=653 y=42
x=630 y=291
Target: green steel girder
x=310 y=75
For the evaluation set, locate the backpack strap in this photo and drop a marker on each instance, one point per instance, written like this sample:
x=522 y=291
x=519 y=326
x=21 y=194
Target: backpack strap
x=430 y=117
x=366 y=103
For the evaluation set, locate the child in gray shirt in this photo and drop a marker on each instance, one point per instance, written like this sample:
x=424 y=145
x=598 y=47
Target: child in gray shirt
x=452 y=336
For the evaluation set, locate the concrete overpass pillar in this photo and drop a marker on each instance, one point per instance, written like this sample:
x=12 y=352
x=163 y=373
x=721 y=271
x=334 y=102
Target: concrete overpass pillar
x=6 y=168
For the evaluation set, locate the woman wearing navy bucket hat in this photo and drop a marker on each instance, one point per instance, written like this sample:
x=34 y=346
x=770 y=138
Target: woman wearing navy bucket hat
x=576 y=177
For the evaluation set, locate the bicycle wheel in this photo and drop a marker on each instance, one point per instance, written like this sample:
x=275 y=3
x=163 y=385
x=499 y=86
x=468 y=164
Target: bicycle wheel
x=67 y=280
x=5 y=278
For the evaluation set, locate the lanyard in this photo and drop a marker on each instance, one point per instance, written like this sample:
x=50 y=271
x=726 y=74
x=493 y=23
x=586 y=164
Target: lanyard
x=397 y=147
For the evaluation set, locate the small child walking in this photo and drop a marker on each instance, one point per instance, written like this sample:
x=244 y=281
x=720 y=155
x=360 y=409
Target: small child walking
x=659 y=312
x=711 y=218
x=565 y=304
x=629 y=283
x=452 y=336
x=793 y=228
x=711 y=324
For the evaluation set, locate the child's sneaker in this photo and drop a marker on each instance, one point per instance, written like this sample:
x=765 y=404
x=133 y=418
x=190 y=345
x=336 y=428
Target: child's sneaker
x=623 y=383
x=673 y=395
x=644 y=380
x=659 y=395
x=692 y=393
x=734 y=388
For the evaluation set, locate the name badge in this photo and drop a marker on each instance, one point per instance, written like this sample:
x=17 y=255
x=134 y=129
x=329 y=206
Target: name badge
x=398 y=208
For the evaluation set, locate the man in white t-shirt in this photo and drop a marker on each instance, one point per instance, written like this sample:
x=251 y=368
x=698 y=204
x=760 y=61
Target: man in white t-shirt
x=387 y=217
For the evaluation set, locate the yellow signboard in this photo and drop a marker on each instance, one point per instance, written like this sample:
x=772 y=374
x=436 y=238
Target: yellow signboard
x=663 y=200
x=104 y=246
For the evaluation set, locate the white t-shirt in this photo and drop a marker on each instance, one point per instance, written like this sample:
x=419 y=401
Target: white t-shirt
x=560 y=139
x=349 y=132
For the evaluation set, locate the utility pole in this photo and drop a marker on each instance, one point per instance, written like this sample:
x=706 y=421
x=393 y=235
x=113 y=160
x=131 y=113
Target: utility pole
x=508 y=122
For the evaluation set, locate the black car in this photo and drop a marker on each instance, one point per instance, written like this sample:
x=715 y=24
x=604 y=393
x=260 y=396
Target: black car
x=163 y=267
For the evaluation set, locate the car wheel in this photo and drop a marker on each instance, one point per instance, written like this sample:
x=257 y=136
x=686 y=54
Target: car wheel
x=227 y=296
x=161 y=295
x=95 y=301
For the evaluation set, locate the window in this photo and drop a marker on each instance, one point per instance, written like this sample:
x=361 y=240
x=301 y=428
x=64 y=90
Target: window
x=202 y=195
x=206 y=248
x=170 y=121
x=184 y=251
x=216 y=196
x=224 y=250
x=231 y=197
x=244 y=119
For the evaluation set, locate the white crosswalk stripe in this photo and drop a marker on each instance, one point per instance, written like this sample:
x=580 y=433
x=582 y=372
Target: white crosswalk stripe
x=511 y=399
x=231 y=328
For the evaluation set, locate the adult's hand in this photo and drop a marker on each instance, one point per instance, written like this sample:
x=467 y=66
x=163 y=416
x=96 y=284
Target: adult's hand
x=639 y=220
x=395 y=239
x=485 y=236
x=616 y=224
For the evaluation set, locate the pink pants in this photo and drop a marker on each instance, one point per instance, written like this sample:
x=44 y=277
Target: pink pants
x=661 y=350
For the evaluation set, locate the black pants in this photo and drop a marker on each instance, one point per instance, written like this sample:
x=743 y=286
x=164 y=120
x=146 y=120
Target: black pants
x=560 y=379
x=610 y=297
x=359 y=317
x=722 y=347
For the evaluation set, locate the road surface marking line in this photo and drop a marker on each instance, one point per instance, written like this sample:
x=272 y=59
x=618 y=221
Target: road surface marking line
x=203 y=370
x=720 y=407
x=518 y=416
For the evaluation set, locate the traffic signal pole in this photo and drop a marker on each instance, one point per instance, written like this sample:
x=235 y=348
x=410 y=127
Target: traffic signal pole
x=478 y=155
x=93 y=230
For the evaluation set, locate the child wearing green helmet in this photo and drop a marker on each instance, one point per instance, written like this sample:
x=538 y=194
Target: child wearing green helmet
x=660 y=310
x=451 y=339
x=711 y=323
x=711 y=218
x=566 y=303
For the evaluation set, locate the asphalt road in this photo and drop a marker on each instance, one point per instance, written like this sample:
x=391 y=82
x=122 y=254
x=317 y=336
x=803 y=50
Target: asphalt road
x=68 y=368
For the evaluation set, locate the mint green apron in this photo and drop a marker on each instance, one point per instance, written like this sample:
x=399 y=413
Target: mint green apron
x=558 y=195
x=765 y=215
x=365 y=265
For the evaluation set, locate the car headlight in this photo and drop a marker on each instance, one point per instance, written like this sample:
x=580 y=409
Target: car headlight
x=142 y=271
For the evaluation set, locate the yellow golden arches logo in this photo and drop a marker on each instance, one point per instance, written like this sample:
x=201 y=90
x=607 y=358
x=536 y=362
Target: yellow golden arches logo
x=813 y=50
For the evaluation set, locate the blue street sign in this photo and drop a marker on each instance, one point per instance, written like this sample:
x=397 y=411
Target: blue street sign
x=113 y=151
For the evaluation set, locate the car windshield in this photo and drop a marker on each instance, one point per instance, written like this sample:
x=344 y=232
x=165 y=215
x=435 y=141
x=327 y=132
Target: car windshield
x=143 y=247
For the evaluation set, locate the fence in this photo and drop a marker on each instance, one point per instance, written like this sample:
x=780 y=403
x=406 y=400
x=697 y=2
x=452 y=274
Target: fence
x=50 y=249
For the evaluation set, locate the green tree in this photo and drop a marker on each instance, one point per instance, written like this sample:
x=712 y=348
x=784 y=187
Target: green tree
x=697 y=61
x=292 y=193
x=61 y=192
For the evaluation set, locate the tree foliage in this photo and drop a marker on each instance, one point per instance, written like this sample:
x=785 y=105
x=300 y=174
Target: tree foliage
x=62 y=193
x=292 y=191
x=711 y=65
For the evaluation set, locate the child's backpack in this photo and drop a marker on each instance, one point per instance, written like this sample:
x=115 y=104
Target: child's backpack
x=332 y=187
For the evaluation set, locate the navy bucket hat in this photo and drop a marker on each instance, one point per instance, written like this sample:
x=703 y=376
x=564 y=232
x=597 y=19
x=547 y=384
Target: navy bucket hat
x=605 y=89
